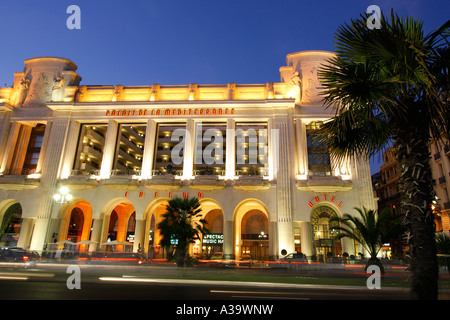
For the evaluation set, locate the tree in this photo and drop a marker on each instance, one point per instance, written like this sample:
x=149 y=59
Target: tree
x=370 y=229
x=390 y=85
x=181 y=225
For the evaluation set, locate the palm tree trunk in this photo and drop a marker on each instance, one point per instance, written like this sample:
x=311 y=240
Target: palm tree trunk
x=416 y=188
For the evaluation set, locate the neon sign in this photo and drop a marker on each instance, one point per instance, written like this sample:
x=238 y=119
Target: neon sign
x=324 y=196
x=170 y=112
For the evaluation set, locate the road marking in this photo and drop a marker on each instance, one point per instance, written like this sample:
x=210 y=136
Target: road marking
x=259 y=293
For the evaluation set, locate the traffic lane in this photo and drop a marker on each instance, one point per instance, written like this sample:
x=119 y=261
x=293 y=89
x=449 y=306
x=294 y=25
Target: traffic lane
x=56 y=288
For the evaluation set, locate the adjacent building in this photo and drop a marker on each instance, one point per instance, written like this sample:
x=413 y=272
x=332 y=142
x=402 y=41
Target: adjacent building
x=121 y=152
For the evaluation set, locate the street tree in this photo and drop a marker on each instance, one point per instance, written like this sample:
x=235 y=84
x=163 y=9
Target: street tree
x=181 y=225
x=389 y=85
x=370 y=229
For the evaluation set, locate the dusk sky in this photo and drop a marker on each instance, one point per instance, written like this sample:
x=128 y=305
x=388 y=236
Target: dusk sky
x=141 y=42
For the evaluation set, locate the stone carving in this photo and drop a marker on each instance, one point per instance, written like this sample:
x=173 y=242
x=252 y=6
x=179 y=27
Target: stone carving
x=39 y=91
x=81 y=94
x=296 y=83
x=311 y=86
x=118 y=91
x=58 y=89
x=231 y=90
x=270 y=92
x=154 y=92
x=20 y=92
x=193 y=91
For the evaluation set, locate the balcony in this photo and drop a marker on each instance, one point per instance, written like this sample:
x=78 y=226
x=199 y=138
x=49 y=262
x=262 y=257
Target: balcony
x=324 y=184
x=82 y=179
x=122 y=179
x=18 y=179
x=207 y=182
x=442 y=180
x=163 y=180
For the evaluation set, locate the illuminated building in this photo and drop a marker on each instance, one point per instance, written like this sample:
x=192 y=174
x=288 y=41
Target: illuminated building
x=117 y=149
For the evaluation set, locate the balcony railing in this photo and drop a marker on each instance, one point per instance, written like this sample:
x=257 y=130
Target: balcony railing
x=85 y=172
x=18 y=172
x=173 y=172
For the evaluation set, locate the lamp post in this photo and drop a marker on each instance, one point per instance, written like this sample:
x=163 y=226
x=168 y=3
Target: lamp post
x=62 y=197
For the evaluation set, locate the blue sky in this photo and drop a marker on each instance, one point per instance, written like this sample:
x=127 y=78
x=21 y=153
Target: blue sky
x=141 y=42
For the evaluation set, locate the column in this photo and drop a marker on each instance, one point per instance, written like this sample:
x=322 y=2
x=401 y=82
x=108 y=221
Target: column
x=49 y=178
x=10 y=144
x=230 y=156
x=149 y=150
x=306 y=238
x=109 y=149
x=139 y=235
x=284 y=204
x=188 y=158
x=273 y=241
x=301 y=149
x=69 y=155
x=228 y=240
x=25 y=232
x=96 y=232
x=20 y=151
x=48 y=128
x=4 y=136
x=347 y=246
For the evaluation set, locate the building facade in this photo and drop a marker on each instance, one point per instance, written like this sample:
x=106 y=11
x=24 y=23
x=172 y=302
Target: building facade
x=245 y=150
x=440 y=166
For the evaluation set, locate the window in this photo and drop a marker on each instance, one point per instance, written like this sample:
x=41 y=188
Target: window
x=34 y=148
x=251 y=149
x=318 y=157
x=129 y=149
x=169 y=153
x=90 y=148
x=210 y=149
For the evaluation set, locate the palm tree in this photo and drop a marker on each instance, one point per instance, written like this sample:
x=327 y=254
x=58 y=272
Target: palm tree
x=390 y=85
x=181 y=225
x=371 y=230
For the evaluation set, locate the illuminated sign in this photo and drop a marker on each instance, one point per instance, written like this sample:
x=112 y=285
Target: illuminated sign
x=170 y=112
x=331 y=199
x=213 y=238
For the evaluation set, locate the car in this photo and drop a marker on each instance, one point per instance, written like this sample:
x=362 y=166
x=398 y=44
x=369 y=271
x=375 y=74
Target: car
x=245 y=260
x=128 y=258
x=216 y=259
x=19 y=256
x=293 y=257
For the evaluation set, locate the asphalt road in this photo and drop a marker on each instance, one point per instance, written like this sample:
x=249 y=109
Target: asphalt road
x=56 y=282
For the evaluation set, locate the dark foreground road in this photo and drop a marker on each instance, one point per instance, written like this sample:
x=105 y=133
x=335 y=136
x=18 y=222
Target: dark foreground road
x=159 y=283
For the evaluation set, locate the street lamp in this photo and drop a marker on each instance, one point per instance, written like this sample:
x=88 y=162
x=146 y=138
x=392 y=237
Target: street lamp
x=62 y=197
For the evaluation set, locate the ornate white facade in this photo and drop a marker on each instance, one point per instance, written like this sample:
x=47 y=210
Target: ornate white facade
x=114 y=148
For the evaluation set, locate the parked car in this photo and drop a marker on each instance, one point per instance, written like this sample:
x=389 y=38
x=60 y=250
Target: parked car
x=245 y=260
x=130 y=258
x=294 y=257
x=19 y=255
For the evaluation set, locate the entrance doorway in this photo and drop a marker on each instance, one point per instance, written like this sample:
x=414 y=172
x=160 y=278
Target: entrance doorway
x=324 y=244
x=255 y=236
